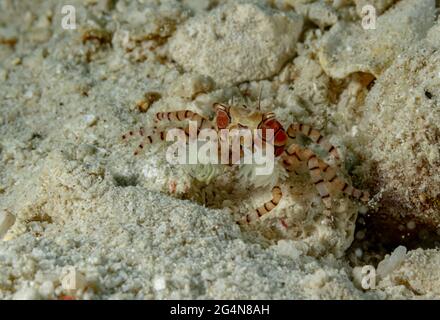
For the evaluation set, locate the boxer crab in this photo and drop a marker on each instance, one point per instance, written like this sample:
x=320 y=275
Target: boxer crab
x=292 y=156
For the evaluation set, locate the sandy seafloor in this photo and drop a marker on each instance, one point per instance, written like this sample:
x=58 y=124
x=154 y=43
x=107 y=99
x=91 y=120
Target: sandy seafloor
x=74 y=197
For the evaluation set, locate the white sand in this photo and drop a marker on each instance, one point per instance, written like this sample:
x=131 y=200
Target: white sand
x=79 y=200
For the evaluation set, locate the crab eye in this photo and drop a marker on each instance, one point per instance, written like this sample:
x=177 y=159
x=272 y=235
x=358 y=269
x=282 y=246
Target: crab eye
x=222 y=119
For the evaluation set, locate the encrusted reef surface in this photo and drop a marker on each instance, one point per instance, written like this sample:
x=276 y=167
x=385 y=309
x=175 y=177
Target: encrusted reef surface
x=76 y=202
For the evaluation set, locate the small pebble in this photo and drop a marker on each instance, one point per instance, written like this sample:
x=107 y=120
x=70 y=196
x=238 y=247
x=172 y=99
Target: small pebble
x=360 y=234
x=26 y=293
x=46 y=289
x=90 y=119
x=159 y=283
x=6 y=221
x=358 y=252
x=411 y=225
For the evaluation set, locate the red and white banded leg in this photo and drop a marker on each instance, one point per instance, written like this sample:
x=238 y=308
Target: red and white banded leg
x=136 y=133
x=295 y=155
x=340 y=184
x=265 y=208
x=181 y=115
x=292 y=161
x=155 y=137
x=315 y=136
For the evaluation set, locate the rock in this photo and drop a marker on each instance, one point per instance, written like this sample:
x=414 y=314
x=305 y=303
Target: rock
x=320 y=13
x=392 y=262
x=434 y=35
x=288 y=248
x=379 y=5
x=90 y=119
x=46 y=289
x=189 y=86
x=159 y=283
x=54 y=188
x=401 y=125
x=6 y=221
x=419 y=274
x=348 y=48
x=237 y=42
x=26 y=293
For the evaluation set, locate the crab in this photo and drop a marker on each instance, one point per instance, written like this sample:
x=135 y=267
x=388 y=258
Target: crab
x=292 y=156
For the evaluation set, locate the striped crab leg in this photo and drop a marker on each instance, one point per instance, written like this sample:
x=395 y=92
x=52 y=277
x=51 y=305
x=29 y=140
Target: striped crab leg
x=171 y=116
x=150 y=137
x=339 y=184
x=295 y=155
x=315 y=136
x=157 y=136
x=134 y=133
x=265 y=208
x=202 y=122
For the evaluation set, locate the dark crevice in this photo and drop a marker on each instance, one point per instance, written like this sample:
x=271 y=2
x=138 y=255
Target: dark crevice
x=125 y=181
x=378 y=234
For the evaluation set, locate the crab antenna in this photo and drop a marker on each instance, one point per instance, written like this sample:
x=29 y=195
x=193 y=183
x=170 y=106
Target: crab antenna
x=259 y=97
